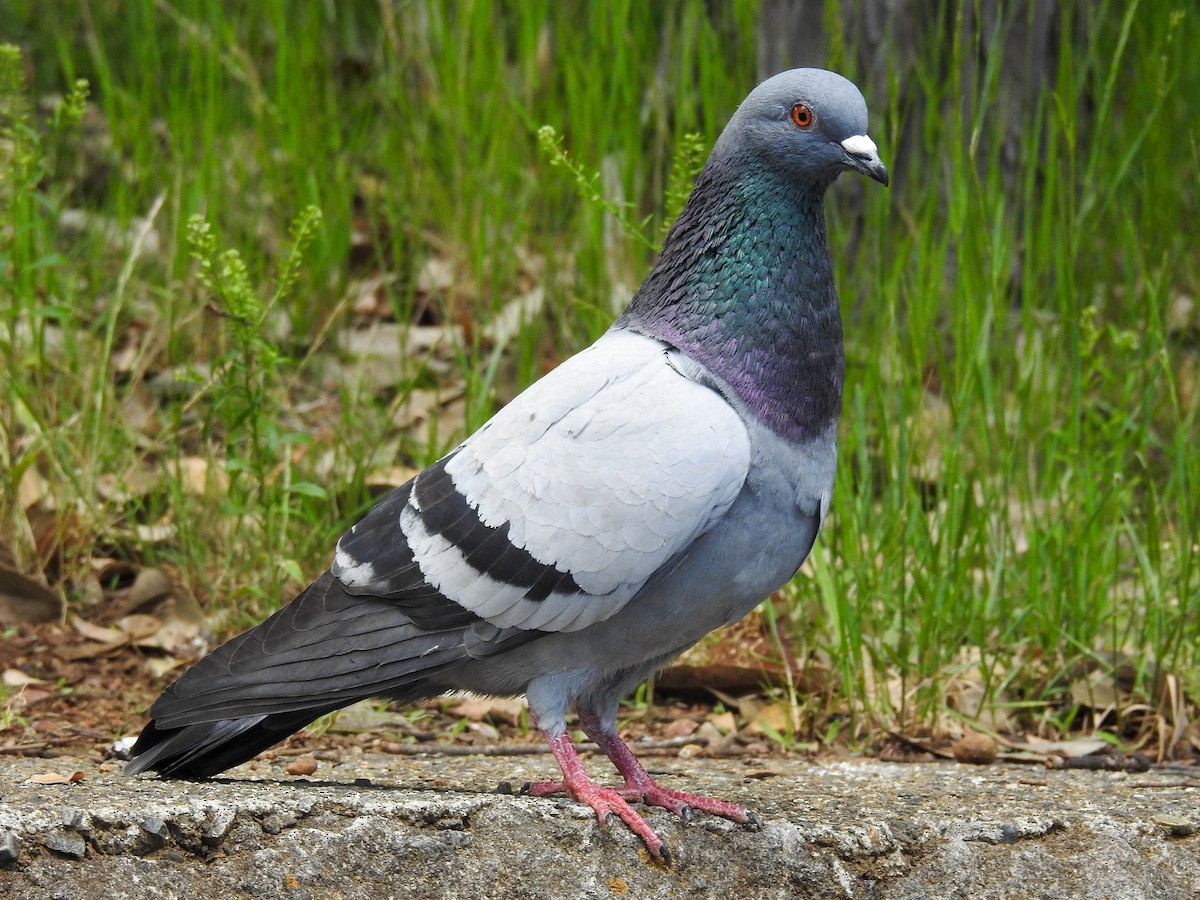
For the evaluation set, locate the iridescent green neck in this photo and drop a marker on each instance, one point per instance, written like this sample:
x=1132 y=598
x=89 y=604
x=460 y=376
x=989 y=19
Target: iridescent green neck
x=744 y=286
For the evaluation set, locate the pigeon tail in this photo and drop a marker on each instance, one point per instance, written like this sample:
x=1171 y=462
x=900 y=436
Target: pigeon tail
x=209 y=748
x=323 y=651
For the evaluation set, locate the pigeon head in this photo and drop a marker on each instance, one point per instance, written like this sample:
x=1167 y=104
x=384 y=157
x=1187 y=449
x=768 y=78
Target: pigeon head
x=744 y=284
x=806 y=124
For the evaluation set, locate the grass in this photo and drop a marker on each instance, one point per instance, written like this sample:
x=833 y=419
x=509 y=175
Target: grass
x=1015 y=518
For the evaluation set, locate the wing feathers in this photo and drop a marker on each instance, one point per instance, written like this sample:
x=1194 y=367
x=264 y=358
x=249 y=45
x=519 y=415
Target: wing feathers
x=558 y=511
x=325 y=647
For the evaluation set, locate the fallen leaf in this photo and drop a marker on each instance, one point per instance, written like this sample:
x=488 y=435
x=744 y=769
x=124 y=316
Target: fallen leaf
x=150 y=586
x=27 y=599
x=196 y=477
x=724 y=722
x=155 y=534
x=17 y=678
x=56 y=778
x=436 y=275
x=28 y=696
x=1095 y=690
x=1069 y=749
x=371 y=295
x=32 y=489
x=514 y=316
x=172 y=635
x=680 y=728
x=158 y=666
x=94 y=632
x=129 y=485
x=771 y=720
x=390 y=478
x=479 y=708
x=139 y=626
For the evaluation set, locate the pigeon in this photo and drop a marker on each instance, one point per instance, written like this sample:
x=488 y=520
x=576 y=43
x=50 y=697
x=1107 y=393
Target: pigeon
x=652 y=488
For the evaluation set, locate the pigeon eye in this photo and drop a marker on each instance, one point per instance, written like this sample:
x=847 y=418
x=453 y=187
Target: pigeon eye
x=802 y=116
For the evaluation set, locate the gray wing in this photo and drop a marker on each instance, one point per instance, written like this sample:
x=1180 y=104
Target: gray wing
x=554 y=514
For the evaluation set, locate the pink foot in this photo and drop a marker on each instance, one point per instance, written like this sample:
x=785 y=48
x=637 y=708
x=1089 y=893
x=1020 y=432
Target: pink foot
x=684 y=804
x=640 y=786
x=606 y=802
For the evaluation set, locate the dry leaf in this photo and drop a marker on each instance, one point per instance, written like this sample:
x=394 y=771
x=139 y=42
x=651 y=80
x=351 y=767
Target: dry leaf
x=371 y=295
x=158 y=666
x=1069 y=749
x=28 y=696
x=172 y=635
x=101 y=633
x=56 y=778
x=150 y=586
x=724 y=722
x=32 y=489
x=418 y=405
x=139 y=626
x=514 y=316
x=196 y=476
x=390 y=478
x=17 y=678
x=680 y=728
x=155 y=534
x=129 y=485
x=436 y=275
x=1095 y=690
x=479 y=708
x=27 y=599
x=771 y=719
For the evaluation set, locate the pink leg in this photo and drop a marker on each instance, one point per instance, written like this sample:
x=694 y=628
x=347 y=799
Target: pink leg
x=640 y=786
x=605 y=801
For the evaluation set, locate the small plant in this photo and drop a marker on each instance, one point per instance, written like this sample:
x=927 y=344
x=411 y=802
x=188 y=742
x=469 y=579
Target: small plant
x=28 y=259
x=246 y=388
x=690 y=155
x=588 y=186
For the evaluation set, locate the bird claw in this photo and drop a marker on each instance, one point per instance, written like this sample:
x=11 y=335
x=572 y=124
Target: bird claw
x=684 y=805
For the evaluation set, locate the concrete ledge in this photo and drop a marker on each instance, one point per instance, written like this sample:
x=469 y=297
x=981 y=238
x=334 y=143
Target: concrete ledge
x=428 y=828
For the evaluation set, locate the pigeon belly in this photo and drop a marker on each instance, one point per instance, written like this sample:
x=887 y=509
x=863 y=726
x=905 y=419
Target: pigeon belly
x=754 y=550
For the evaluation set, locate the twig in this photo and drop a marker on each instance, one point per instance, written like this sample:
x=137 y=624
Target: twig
x=646 y=748
x=1124 y=762
x=914 y=743
x=32 y=746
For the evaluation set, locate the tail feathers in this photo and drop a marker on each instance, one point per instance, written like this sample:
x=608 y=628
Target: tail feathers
x=324 y=650
x=208 y=748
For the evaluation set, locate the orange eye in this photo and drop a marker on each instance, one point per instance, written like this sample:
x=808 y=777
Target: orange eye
x=801 y=115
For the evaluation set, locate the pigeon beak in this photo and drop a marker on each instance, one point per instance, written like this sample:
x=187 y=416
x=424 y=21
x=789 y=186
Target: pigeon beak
x=863 y=156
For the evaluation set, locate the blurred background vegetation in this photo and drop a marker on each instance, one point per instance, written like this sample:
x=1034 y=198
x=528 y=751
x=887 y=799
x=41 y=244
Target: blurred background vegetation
x=1014 y=532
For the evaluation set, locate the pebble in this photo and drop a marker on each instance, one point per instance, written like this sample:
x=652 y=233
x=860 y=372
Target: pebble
x=10 y=848
x=977 y=749
x=305 y=765
x=71 y=845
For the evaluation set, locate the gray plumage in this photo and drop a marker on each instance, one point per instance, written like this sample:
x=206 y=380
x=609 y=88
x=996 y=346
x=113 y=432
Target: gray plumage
x=649 y=490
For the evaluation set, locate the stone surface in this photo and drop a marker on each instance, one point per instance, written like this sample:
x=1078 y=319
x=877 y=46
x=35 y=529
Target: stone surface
x=380 y=827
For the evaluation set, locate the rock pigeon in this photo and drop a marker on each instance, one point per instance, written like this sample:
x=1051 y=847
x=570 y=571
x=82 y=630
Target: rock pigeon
x=654 y=487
